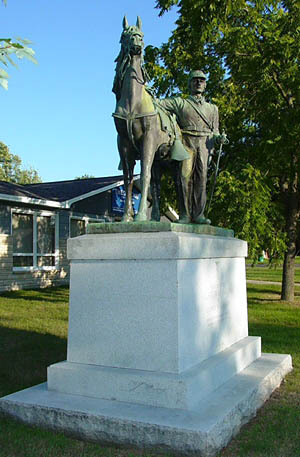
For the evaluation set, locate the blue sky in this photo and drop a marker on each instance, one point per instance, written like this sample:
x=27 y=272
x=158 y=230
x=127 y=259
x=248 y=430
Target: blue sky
x=57 y=115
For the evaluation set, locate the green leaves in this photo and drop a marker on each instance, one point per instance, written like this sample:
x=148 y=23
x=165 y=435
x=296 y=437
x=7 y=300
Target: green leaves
x=3 y=79
x=245 y=202
x=165 y=5
x=251 y=52
x=8 y=49
x=19 y=49
x=11 y=168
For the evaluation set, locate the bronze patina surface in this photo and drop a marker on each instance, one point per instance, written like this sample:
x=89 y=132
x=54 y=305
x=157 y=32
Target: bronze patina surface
x=143 y=131
x=181 y=132
x=150 y=226
x=199 y=124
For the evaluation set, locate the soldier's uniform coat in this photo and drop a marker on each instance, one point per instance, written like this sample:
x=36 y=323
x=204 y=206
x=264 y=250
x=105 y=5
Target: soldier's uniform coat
x=199 y=123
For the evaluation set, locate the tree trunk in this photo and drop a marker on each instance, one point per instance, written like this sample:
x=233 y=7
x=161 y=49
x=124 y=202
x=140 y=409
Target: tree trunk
x=288 y=285
x=288 y=288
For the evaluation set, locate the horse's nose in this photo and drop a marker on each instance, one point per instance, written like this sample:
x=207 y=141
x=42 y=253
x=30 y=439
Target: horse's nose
x=137 y=48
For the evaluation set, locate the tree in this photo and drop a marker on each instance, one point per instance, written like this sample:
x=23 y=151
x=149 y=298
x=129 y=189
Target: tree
x=250 y=212
x=11 y=168
x=10 y=48
x=251 y=52
x=85 y=176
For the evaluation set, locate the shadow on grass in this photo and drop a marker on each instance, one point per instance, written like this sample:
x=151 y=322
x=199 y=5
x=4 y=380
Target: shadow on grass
x=25 y=356
x=262 y=293
x=258 y=289
x=49 y=294
x=277 y=338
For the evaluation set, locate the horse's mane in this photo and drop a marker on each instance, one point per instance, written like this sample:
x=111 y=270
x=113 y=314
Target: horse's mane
x=123 y=61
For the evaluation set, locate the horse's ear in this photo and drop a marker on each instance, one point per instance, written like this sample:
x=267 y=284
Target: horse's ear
x=139 y=23
x=125 y=23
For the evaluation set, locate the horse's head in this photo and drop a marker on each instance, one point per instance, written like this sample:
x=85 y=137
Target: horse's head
x=132 y=44
x=132 y=38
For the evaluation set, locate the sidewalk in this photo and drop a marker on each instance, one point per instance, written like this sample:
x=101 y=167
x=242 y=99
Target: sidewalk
x=257 y=281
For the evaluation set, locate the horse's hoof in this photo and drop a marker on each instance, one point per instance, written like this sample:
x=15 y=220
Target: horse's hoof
x=140 y=218
x=155 y=218
x=127 y=219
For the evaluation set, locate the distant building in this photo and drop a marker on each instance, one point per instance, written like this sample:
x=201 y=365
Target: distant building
x=37 y=219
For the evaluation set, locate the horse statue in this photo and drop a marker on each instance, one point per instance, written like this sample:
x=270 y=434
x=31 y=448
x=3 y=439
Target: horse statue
x=145 y=132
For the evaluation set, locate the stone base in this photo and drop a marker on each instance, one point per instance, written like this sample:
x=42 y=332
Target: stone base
x=203 y=431
x=152 y=388
x=159 y=301
x=158 y=348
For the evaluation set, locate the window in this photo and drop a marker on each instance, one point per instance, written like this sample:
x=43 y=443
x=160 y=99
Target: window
x=77 y=227
x=78 y=224
x=35 y=240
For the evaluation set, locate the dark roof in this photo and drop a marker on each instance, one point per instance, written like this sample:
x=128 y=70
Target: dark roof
x=17 y=190
x=61 y=191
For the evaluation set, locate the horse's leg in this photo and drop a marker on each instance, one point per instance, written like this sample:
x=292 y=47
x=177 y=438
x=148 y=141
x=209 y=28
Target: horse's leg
x=128 y=209
x=128 y=168
x=155 y=190
x=146 y=164
x=149 y=146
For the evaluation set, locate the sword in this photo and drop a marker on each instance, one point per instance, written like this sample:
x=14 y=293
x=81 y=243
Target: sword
x=224 y=140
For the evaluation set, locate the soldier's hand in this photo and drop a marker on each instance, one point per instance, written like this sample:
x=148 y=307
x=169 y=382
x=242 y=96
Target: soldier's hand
x=223 y=138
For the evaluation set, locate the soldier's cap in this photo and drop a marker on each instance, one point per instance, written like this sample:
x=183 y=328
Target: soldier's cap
x=196 y=74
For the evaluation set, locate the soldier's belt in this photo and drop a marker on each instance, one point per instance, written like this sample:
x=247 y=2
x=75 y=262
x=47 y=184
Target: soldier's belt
x=195 y=133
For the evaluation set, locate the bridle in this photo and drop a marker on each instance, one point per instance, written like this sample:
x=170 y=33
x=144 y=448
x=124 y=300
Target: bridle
x=124 y=61
x=124 y=58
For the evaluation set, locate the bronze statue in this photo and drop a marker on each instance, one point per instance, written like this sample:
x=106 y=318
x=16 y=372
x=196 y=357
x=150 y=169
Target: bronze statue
x=143 y=130
x=199 y=124
x=148 y=131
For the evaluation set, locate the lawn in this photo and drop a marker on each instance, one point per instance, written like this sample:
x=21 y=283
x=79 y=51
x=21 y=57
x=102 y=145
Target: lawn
x=275 y=432
x=33 y=334
x=266 y=273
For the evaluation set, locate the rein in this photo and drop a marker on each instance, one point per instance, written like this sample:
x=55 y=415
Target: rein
x=121 y=70
x=138 y=80
x=131 y=116
x=124 y=60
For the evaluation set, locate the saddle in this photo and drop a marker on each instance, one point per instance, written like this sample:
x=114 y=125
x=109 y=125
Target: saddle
x=170 y=126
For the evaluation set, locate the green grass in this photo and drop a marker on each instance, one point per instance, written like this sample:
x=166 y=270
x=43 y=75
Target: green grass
x=266 y=262
x=266 y=273
x=33 y=334
x=275 y=431
x=33 y=329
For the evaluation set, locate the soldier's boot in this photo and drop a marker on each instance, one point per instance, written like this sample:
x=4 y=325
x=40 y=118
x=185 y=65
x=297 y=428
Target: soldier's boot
x=202 y=220
x=184 y=219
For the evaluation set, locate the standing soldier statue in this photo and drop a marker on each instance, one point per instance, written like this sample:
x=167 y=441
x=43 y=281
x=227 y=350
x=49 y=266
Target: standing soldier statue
x=199 y=124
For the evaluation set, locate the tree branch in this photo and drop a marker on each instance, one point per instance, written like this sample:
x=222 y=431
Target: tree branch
x=285 y=95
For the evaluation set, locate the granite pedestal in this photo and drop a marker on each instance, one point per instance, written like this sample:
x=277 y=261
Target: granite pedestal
x=158 y=347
